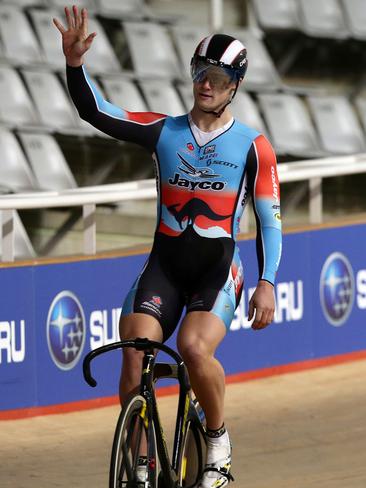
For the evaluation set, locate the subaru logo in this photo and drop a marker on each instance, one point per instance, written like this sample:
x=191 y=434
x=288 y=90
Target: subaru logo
x=337 y=288
x=65 y=330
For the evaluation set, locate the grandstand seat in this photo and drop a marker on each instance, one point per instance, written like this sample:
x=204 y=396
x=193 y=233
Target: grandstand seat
x=290 y=127
x=186 y=38
x=278 y=15
x=23 y=247
x=245 y=110
x=53 y=105
x=20 y=44
x=151 y=49
x=337 y=124
x=47 y=161
x=123 y=93
x=48 y=36
x=128 y=8
x=355 y=13
x=162 y=97
x=262 y=74
x=15 y=173
x=16 y=107
x=322 y=19
x=100 y=59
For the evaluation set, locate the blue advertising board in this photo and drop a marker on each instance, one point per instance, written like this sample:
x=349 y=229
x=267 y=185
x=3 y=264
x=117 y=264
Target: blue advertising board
x=51 y=315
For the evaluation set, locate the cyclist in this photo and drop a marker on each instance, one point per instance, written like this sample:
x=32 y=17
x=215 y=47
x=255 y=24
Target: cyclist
x=207 y=164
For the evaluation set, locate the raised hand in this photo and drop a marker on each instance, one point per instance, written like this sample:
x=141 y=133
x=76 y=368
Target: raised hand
x=75 y=39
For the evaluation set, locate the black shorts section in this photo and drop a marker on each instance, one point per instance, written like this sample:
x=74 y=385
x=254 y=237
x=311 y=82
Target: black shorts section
x=185 y=270
x=158 y=296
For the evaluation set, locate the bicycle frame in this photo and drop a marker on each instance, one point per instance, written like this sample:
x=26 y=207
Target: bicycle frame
x=151 y=372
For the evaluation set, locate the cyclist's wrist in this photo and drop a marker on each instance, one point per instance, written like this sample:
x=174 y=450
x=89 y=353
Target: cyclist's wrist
x=265 y=283
x=74 y=62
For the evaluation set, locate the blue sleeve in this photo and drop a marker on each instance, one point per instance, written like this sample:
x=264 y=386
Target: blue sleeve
x=265 y=191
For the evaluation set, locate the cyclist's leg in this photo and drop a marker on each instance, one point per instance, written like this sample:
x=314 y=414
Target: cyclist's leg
x=198 y=338
x=210 y=311
x=151 y=309
x=132 y=326
x=139 y=324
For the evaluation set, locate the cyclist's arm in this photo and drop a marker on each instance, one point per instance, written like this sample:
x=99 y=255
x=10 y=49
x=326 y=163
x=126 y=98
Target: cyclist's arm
x=141 y=127
x=265 y=191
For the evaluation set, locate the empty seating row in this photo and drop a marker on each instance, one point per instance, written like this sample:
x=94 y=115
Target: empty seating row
x=323 y=123
x=336 y=128
x=337 y=19
x=21 y=45
x=155 y=50
x=112 y=8
x=297 y=125
x=40 y=101
x=32 y=161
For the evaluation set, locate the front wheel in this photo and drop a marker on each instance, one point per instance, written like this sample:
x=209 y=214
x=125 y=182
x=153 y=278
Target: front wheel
x=192 y=457
x=134 y=438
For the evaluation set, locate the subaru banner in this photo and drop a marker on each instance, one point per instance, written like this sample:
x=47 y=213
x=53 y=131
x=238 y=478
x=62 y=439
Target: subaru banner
x=51 y=315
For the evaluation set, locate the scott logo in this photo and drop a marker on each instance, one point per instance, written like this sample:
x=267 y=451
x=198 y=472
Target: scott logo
x=190 y=170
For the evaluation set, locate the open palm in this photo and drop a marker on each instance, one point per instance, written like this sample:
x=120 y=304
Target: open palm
x=75 y=39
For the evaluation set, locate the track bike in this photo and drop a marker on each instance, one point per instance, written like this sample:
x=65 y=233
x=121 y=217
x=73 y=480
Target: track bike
x=139 y=428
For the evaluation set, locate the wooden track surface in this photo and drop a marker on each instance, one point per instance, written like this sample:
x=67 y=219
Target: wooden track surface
x=299 y=430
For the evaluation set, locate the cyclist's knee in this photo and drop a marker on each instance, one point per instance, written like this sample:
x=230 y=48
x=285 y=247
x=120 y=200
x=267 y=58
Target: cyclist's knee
x=193 y=352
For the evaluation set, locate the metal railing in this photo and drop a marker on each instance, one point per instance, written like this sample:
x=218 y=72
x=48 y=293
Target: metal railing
x=312 y=171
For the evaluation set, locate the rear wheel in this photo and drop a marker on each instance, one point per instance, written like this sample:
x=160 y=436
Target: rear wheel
x=133 y=433
x=192 y=457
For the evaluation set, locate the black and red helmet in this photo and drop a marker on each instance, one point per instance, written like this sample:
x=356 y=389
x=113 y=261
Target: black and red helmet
x=224 y=51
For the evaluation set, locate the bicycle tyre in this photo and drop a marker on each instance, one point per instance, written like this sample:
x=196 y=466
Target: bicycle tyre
x=132 y=422
x=192 y=457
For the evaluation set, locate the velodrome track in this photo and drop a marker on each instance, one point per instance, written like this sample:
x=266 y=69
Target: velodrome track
x=297 y=430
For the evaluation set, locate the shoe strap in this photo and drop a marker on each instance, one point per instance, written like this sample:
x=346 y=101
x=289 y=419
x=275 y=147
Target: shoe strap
x=223 y=471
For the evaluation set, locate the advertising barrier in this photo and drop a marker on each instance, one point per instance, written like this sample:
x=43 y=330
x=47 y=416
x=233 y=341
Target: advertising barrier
x=51 y=315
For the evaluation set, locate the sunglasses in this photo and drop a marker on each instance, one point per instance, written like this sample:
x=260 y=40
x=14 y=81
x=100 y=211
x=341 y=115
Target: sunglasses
x=217 y=76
